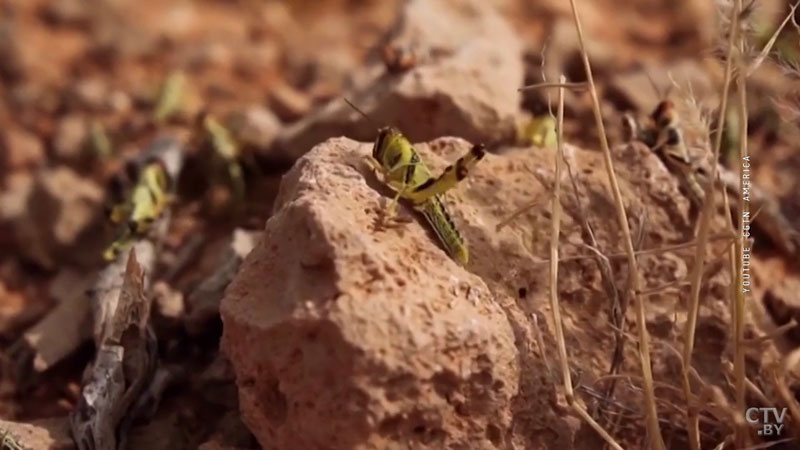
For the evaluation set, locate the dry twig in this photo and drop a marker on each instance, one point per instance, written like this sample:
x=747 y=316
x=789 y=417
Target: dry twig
x=653 y=428
x=554 y=303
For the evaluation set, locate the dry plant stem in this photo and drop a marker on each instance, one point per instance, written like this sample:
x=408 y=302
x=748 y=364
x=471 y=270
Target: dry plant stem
x=505 y=222
x=554 y=234
x=648 y=251
x=702 y=241
x=542 y=348
x=653 y=427
x=574 y=86
x=765 y=51
x=777 y=332
x=739 y=297
x=751 y=387
x=554 y=304
x=787 y=365
x=779 y=383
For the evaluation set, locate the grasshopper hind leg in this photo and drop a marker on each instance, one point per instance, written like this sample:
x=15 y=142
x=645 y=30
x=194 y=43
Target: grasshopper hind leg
x=451 y=176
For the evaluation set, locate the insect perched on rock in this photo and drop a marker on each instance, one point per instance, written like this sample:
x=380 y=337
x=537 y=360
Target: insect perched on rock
x=661 y=132
x=404 y=171
x=139 y=206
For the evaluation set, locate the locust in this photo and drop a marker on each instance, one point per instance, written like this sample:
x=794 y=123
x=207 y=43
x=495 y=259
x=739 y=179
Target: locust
x=661 y=132
x=145 y=202
x=405 y=172
x=228 y=151
x=170 y=97
x=538 y=131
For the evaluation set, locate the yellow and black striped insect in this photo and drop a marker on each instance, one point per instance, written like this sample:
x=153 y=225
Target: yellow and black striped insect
x=539 y=131
x=405 y=172
x=170 y=97
x=661 y=132
x=137 y=207
x=228 y=151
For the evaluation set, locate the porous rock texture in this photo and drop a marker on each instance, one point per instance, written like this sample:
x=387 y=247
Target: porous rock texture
x=347 y=332
x=467 y=59
x=370 y=335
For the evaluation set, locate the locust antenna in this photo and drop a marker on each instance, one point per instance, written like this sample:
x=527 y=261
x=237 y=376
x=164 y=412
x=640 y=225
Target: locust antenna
x=661 y=94
x=653 y=85
x=369 y=119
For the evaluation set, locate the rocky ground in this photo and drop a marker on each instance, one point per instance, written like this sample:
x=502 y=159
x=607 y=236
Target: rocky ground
x=294 y=315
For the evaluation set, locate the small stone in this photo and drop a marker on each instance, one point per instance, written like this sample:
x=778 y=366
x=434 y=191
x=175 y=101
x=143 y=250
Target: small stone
x=21 y=149
x=289 y=103
x=70 y=137
x=120 y=102
x=91 y=93
x=256 y=126
x=67 y=12
x=51 y=213
x=168 y=301
x=14 y=195
x=78 y=198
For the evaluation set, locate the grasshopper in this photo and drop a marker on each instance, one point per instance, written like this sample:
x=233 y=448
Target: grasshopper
x=146 y=202
x=661 y=132
x=170 y=97
x=229 y=152
x=539 y=131
x=404 y=172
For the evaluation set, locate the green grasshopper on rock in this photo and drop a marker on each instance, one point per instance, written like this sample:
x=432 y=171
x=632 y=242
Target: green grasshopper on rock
x=404 y=172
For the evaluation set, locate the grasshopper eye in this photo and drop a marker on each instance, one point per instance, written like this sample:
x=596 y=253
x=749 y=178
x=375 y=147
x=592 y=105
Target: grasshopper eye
x=673 y=137
x=131 y=170
x=380 y=144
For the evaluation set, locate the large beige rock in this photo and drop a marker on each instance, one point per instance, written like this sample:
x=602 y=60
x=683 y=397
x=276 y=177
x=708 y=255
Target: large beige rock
x=348 y=333
x=373 y=335
x=468 y=66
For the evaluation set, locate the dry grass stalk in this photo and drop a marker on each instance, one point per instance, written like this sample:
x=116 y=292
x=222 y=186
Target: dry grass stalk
x=768 y=47
x=648 y=251
x=574 y=86
x=542 y=348
x=779 y=381
x=554 y=303
x=516 y=214
x=703 y=238
x=653 y=427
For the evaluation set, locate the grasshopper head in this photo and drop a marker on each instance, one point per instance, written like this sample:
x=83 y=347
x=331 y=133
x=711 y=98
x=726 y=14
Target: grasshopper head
x=386 y=135
x=664 y=115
